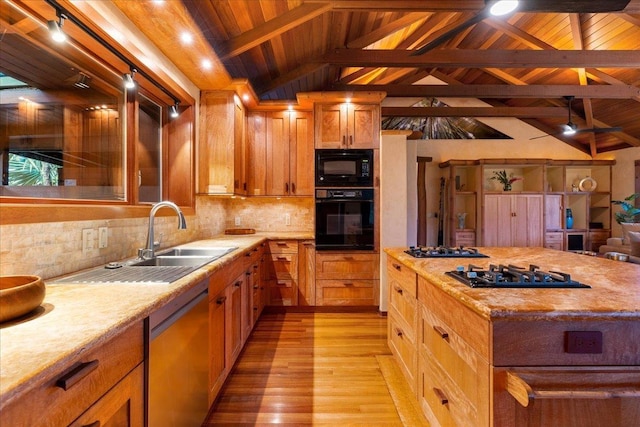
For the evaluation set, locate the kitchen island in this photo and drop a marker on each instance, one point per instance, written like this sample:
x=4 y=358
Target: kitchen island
x=512 y=357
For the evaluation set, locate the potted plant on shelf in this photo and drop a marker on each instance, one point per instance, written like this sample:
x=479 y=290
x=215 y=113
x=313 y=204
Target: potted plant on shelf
x=504 y=179
x=629 y=212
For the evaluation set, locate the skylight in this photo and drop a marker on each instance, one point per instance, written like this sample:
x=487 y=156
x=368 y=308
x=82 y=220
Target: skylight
x=8 y=82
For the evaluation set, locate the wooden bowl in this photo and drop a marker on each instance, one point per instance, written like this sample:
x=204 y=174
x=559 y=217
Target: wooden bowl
x=19 y=295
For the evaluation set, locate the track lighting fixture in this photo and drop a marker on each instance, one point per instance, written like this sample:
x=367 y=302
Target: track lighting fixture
x=570 y=128
x=56 y=28
x=129 y=83
x=502 y=7
x=173 y=110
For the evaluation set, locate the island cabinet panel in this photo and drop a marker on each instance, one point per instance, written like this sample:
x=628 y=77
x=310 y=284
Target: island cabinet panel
x=347 y=279
x=454 y=372
x=83 y=382
x=567 y=396
x=402 y=321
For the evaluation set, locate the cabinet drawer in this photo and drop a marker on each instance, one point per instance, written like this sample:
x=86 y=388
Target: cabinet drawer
x=347 y=266
x=401 y=276
x=86 y=377
x=443 y=402
x=282 y=267
x=402 y=342
x=453 y=317
x=283 y=293
x=544 y=343
x=347 y=292
x=404 y=304
x=283 y=246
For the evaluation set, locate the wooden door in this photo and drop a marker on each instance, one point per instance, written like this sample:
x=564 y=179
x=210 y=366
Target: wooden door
x=277 y=154
x=497 y=220
x=240 y=172
x=306 y=273
x=330 y=126
x=217 y=343
x=364 y=126
x=301 y=161
x=553 y=212
x=256 y=153
x=233 y=332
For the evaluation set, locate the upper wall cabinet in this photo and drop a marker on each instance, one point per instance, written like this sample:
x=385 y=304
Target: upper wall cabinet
x=347 y=125
x=280 y=153
x=221 y=148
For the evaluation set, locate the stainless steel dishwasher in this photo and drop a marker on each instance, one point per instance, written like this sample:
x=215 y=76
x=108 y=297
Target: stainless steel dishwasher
x=177 y=377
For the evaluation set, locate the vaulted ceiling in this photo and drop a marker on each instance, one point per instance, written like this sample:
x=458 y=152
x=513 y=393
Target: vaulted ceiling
x=523 y=65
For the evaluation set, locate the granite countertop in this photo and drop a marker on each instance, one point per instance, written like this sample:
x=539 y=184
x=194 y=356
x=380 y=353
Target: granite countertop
x=614 y=292
x=76 y=317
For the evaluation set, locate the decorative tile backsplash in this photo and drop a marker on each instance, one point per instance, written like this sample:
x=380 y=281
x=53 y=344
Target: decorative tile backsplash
x=52 y=249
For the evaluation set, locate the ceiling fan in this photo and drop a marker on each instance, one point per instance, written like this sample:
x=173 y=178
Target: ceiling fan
x=503 y=7
x=571 y=128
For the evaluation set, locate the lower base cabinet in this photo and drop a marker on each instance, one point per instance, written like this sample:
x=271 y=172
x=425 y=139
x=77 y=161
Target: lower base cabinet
x=347 y=279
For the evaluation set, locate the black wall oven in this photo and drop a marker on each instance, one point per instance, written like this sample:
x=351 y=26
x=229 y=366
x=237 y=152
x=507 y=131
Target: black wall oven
x=344 y=219
x=344 y=168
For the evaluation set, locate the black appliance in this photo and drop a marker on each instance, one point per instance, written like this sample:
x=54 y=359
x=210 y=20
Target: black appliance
x=344 y=168
x=511 y=276
x=444 y=252
x=344 y=219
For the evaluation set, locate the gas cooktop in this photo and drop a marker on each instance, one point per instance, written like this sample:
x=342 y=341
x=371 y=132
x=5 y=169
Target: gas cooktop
x=511 y=276
x=444 y=252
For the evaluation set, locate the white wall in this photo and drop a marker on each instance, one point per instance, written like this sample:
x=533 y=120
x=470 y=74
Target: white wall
x=398 y=200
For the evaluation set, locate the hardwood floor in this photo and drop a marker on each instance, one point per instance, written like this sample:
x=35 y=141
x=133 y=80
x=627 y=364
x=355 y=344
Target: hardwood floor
x=310 y=369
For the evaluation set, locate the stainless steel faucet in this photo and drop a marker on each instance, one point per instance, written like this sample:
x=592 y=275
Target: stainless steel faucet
x=149 y=251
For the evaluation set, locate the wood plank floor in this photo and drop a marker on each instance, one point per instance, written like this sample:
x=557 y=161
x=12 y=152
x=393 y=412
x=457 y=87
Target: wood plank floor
x=309 y=369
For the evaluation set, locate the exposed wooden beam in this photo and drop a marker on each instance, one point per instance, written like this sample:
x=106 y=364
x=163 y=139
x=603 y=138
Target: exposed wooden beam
x=500 y=91
x=405 y=5
x=272 y=28
x=485 y=58
x=518 y=112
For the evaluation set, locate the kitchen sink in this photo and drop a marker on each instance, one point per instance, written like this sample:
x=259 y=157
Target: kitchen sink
x=166 y=267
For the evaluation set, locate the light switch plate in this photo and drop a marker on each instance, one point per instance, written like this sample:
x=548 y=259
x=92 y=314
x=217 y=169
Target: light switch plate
x=103 y=237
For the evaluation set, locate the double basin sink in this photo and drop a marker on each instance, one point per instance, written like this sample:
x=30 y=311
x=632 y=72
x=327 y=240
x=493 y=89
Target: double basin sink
x=165 y=267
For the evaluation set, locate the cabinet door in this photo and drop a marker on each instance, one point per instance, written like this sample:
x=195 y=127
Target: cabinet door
x=256 y=153
x=364 y=126
x=306 y=273
x=553 y=212
x=239 y=164
x=330 y=126
x=301 y=161
x=278 y=154
x=497 y=220
x=526 y=227
x=233 y=333
x=217 y=345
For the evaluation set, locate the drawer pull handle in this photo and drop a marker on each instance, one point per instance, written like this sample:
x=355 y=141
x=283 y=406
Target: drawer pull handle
x=248 y=273
x=441 y=396
x=348 y=284
x=281 y=243
x=237 y=284
x=74 y=376
x=397 y=266
x=399 y=332
x=255 y=286
x=443 y=334
x=247 y=254
x=398 y=290
x=221 y=300
x=93 y=424
x=525 y=393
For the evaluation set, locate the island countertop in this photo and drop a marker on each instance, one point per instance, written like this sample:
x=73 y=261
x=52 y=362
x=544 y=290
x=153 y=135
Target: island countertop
x=76 y=317
x=614 y=292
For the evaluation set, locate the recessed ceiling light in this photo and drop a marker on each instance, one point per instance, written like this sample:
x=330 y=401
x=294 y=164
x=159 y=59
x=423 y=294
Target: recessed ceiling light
x=186 y=38
x=245 y=97
x=206 y=64
x=503 y=7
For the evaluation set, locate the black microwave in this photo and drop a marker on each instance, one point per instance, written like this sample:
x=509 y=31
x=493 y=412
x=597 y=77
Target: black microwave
x=344 y=168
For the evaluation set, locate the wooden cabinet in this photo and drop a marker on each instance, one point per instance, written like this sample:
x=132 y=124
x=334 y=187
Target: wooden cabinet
x=234 y=321
x=306 y=273
x=462 y=196
x=102 y=385
x=282 y=273
x=221 y=148
x=280 y=153
x=218 y=368
x=513 y=220
x=402 y=323
x=347 y=125
x=350 y=279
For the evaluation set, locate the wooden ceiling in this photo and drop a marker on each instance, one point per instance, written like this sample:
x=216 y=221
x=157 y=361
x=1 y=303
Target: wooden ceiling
x=522 y=65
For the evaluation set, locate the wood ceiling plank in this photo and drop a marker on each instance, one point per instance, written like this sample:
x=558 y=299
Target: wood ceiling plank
x=382 y=32
x=484 y=59
x=617 y=91
x=272 y=28
x=518 y=112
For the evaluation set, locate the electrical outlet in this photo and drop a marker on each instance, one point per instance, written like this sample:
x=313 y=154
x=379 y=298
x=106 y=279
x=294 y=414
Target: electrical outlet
x=583 y=342
x=238 y=221
x=88 y=240
x=103 y=237
x=287 y=219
